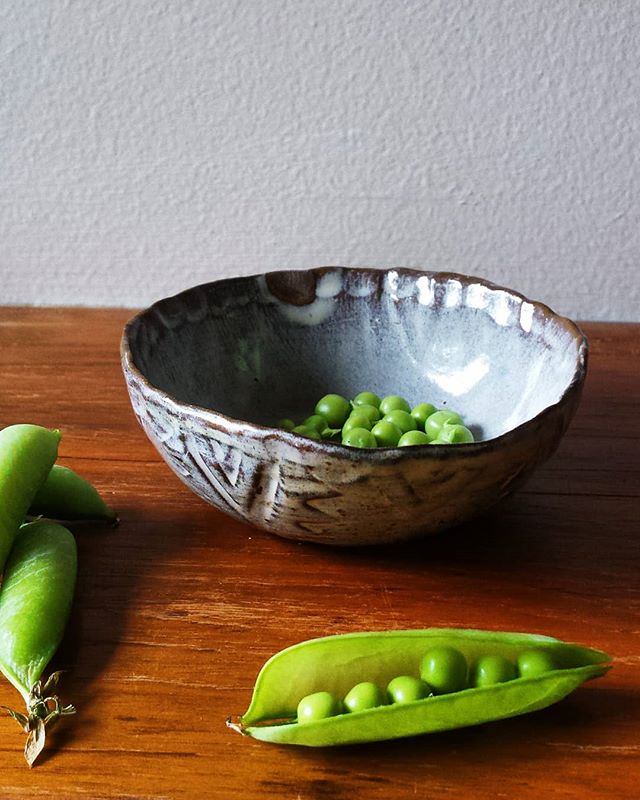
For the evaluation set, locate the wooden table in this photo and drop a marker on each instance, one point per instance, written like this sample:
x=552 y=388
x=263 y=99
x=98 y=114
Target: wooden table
x=178 y=608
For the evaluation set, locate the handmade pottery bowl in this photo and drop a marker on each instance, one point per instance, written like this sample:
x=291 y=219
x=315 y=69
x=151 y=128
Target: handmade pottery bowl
x=211 y=370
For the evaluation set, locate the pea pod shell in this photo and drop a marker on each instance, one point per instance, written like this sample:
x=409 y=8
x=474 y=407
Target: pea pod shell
x=66 y=495
x=27 y=453
x=35 y=600
x=337 y=663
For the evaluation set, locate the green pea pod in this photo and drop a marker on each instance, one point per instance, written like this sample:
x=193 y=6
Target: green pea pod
x=27 y=453
x=337 y=663
x=65 y=495
x=35 y=600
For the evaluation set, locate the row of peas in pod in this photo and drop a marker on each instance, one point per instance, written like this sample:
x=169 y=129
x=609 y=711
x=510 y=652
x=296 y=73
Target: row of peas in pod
x=443 y=670
x=38 y=562
x=368 y=421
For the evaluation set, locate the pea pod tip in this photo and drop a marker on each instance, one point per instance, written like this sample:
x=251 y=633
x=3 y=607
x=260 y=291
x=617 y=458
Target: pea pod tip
x=234 y=722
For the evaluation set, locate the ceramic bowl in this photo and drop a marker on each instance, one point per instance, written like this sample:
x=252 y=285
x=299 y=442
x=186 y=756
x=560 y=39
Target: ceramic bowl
x=211 y=370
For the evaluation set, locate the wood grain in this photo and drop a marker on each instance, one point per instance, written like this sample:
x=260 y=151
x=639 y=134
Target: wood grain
x=177 y=609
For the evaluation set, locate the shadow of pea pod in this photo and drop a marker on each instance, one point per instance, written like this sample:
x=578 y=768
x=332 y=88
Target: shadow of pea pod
x=113 y=564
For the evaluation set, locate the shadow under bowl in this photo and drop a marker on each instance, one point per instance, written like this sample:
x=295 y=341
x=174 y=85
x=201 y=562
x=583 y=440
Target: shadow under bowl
x=210 y=371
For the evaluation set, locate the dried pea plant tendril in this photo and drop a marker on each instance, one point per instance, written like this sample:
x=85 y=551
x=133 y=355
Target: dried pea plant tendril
x=365 y=687
x=35 y=601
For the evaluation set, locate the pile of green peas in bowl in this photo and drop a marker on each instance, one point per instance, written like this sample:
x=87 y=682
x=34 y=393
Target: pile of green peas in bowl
x=443 y=670
x=368 y=421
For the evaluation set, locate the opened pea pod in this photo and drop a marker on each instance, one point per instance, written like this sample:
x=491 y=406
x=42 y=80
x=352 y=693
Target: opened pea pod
x=421 y=681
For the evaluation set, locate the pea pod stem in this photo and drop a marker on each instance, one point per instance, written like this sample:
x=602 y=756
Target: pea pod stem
x=43 y=711
x=337 y=663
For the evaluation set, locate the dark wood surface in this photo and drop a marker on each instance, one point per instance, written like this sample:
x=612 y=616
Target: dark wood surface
x=177 y=608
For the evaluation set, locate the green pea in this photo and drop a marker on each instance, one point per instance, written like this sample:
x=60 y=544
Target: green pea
x=393 y=403
x=316 y=706
x=412 y=438
x=366 y=399
x=533 y=663
x=371 y=412
x=454 y=434
x=356 y=420
x=317 y=422
x=65 y=495
x=304 y=430
x=363 y=696
x=27 y=453
x=402 y=419
x=334 y=408
x=421 y=412
x=492 y=669
x=386 y=433
x=286 y=424
x=435 y=421
x=407 y=689
x=444 y=669
x=359 y=437
x=35 y=600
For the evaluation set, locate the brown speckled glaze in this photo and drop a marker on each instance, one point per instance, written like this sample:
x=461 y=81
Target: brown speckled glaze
x=210 y=370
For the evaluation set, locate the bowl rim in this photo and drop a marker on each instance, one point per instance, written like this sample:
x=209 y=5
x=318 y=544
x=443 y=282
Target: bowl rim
x=218 y=420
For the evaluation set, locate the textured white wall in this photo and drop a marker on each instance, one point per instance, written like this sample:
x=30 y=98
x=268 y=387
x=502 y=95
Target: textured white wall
x=147 y=146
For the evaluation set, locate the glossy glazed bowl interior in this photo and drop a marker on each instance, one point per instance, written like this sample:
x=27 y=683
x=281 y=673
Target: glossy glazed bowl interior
x=211 y=370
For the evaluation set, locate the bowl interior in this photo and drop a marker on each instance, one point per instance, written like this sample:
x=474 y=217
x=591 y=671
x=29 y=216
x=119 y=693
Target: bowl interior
x=265 y=347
